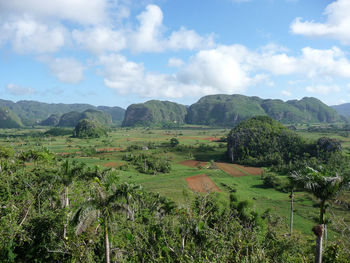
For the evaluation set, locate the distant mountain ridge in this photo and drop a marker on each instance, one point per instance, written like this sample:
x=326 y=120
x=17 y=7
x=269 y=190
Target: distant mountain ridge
x=34 y=112
x=229 y=110
x=343 y=109
x=214 y=110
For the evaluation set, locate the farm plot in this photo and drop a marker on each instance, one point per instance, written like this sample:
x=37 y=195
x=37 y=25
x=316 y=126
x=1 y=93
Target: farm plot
x=201 y=183
x=193 y=163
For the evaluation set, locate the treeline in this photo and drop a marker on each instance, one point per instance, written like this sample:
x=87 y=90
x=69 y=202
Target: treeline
x=262 y=141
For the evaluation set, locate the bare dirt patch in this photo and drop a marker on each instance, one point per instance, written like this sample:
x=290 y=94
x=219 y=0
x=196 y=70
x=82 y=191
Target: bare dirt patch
x=201 y=183
x=115 y=149
x=230 y=169
x=193 y=163
x=250 y=170
x=111 y=164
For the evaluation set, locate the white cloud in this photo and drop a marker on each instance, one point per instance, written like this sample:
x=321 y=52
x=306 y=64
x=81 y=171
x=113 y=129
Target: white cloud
x=81 y=11
x=175 y=62
x=337 y=25
x=226 y=69
x=188 y=39
x=286 y=93
x=66 y=70
x=28 y=35
x=323 y=89
x=18 y=90
x=149 y=36
x=100 y=39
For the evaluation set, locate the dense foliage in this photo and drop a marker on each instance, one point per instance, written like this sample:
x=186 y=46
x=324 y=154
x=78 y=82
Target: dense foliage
x=148 y=163
x=263 y=141
x=8 y=119
x=72 y=118
x=33 y=112
x=229 y=110
x=153 y=113
x=52 y=120
x=89 y=129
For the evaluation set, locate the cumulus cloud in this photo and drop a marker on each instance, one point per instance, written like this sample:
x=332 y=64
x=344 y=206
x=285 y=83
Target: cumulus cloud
x=337 y=25
x=17 y=90
x=66 y=70
x=175 y=62
x=149 y=36
x=322 y=89
x=81 y=11
x=225 y=69
x=28 y=35
x=100 y=39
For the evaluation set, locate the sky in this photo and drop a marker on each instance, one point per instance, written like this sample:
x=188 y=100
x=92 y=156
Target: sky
x=119 y=52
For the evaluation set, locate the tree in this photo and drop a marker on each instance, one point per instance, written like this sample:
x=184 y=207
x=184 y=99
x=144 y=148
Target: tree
x=325 y=185
x=174 y=142
x=101 y=206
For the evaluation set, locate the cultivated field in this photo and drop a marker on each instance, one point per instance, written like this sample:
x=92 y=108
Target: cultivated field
x=197 y=165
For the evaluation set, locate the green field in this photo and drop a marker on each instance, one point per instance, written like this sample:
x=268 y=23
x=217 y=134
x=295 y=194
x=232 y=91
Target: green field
x=109 y=152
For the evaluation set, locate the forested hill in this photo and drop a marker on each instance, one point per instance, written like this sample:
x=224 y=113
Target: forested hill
x=33 y=112
x=8 y=119
x=154 y=112
x=228 y=110
x=343 y=109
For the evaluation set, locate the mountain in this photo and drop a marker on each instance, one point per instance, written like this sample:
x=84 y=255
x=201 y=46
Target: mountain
x=33 y=112
x=116 y=113
x=52 y=120
x=228 y=110
x=343 y=109
x=8 y=119
x=71 y=119
x=154 y=112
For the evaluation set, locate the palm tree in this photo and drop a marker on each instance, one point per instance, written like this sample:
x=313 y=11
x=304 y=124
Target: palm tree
x=68 y=172
x=102 y=205
x=324 y=185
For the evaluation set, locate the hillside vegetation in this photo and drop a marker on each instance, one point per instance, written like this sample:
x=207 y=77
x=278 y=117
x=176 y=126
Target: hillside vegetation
x=33 y=112
x=154 y=112
x=71 y=119
x=8 y=119
x=229 y=110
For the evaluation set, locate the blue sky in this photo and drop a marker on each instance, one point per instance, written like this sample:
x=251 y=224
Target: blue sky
x=119 y=52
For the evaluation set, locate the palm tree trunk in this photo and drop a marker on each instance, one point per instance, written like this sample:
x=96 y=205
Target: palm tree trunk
x=107 y=252
x=318 y=231
x=66 y=205
x=291 y=210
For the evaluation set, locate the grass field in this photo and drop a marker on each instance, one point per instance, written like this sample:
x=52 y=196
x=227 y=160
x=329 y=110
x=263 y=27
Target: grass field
x=109 y=152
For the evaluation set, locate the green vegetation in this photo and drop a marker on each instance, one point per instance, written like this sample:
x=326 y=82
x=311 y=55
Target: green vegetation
x=52 y=120
x=33 y=112
x=89 y=129
x=72 y=118
x=262 y=141
x=128 y=197
x=153 y=113
x=229 y=110
x=8 y=119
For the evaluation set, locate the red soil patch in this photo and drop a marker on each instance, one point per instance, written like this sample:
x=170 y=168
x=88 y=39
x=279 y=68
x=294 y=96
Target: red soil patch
x=193 y=163
x=230 y=169
x=110 y=164
x=201 y=183
x=212 y=139
x=109 y=149
x=250 y=170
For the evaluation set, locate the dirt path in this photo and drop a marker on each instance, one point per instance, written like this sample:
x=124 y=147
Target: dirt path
x=201 y=183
